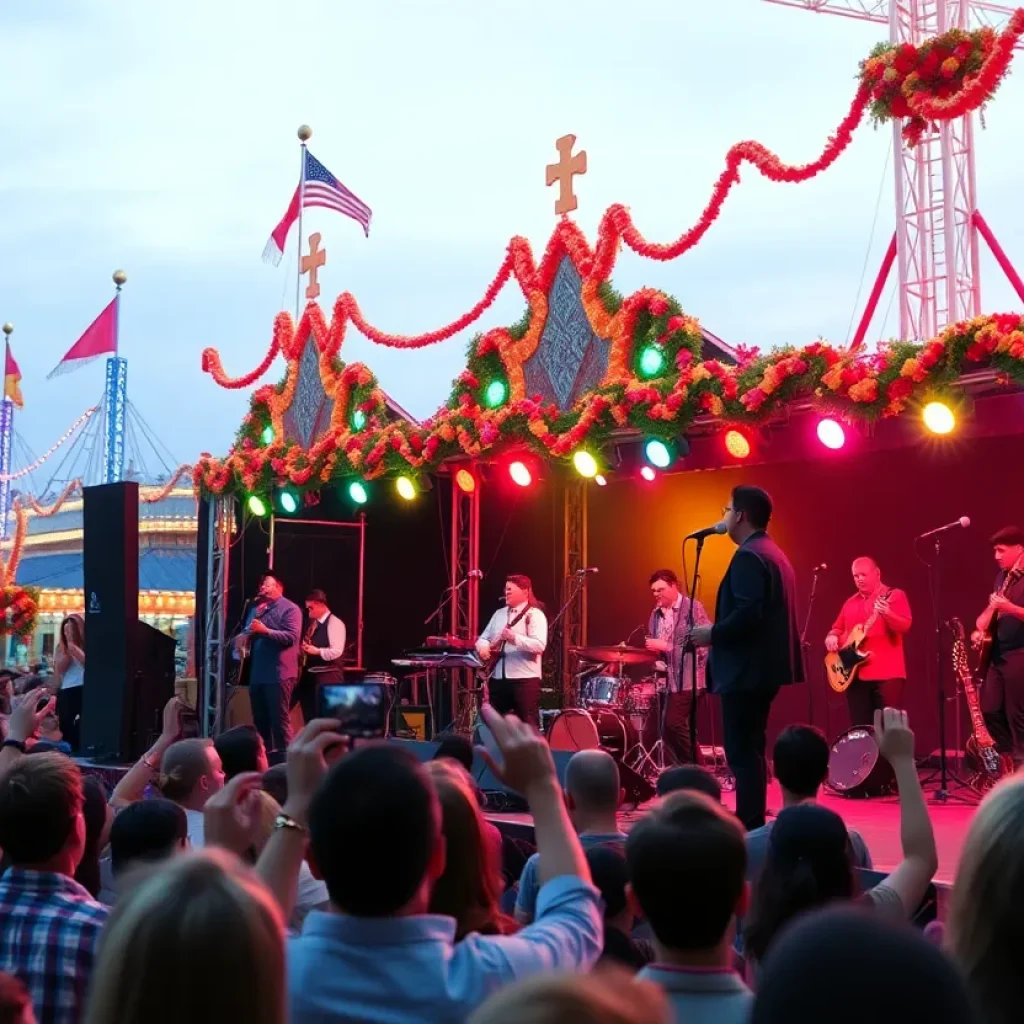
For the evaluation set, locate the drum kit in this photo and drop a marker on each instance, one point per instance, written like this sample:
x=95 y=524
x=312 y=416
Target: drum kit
x=612 y=711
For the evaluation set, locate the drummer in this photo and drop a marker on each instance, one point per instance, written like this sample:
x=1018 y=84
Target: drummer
x=666 y=632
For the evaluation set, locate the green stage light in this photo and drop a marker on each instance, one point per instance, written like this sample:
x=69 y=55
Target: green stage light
x=257 y=506
x=358 y=420
x=358 y=493
x=289 y=502
x=496 y=393
x=652 y=360
x=267 y=437
x=658 y=453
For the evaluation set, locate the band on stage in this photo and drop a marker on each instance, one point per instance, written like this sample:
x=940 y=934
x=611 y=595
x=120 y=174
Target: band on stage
x=745 y=656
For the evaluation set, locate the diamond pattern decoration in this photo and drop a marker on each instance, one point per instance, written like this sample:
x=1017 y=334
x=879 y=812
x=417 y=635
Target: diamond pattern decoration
x=301 y=420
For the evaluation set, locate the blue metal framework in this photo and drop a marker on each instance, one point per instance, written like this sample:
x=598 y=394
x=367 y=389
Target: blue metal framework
x=116 y=408
x=6 y=441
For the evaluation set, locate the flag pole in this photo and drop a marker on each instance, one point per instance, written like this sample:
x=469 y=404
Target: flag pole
x=304 y=133
x=6 y=442
x=116 y=397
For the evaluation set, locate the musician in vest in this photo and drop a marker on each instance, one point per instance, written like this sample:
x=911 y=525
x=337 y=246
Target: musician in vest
x=516 y=638
x=1000 y=635
x=323 y=649
x=885 y=613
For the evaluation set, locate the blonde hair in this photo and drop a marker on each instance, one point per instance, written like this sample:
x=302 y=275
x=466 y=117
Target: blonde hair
x=184 y=764
x=198 y=939
x=611 y=996
x=984 y=919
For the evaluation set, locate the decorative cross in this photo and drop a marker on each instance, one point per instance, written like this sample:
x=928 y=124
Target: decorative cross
x=310 y=264
x=563 y=172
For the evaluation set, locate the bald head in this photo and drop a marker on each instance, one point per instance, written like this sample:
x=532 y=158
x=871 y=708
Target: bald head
x=592 y=782
x=867 y=577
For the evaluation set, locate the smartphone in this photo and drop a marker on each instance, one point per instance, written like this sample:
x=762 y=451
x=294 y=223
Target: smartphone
x=362 y=708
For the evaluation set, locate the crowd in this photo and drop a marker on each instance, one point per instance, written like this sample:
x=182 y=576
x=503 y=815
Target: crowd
x=360 y=885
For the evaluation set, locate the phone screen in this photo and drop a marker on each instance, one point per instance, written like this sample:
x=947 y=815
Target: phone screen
x=362 y=708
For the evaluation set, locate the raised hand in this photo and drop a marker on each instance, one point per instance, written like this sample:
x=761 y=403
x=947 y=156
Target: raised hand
x=231 y=817
x=894 y=736
x=526 y=761
x=28 y=716
x=310 y=755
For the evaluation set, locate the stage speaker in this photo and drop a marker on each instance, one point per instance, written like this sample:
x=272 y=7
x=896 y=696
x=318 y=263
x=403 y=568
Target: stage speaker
x=129 y=666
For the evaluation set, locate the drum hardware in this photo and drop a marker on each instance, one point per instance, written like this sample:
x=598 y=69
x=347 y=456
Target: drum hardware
x=856 y=767
x=604 y=691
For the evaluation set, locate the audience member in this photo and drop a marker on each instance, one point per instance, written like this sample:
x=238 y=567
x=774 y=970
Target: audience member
x=98 y=816
x=593 y=794
x=275 y=782
x=689 y=777
x=809 y=862
x=191 y=773
x=241 y=749
x=49 y=924
x=15 y=1004
x=142 y=774
x=609 y=874
x=608 y=997
x=375 y=837
x=800 y=763
x=470 y=887
x=845 y=966
x=687 y=861
x=988 y=900
x=146 y=832
x=456 y=748
x=69 y=675
x=199 y=941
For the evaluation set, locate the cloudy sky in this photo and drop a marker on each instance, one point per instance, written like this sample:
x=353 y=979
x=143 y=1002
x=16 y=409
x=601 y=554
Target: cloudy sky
x=161 y=138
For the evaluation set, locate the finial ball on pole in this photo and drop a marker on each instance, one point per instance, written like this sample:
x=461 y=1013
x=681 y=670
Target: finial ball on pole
x=8 y=328
x=305 y=133
x=119 y=277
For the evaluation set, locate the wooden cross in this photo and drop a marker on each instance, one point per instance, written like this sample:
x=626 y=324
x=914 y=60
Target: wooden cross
x=563 y=172
x=311 y=264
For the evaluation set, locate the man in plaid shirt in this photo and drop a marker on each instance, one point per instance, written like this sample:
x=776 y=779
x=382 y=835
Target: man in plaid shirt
x=49 y=924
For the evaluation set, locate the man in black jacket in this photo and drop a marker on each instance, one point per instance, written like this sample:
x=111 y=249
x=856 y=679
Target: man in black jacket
x=755 y=645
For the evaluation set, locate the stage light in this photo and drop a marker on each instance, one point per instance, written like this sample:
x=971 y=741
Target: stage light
x=257 y=506
x=585 y=463
x=652 y=360
x=831 y=434
x=267 y=437
x=357 y=492
x=736 y=444
x=406 y=488
x=648 y=474
x=496 y=393
x=358 y=420
x=601 y=480
x=939 y=418
x=659 y=453
x=520 y=473
x=289 y=502
x=465 y=481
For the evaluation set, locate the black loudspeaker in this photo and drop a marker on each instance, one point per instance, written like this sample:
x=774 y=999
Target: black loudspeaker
x=129 y=666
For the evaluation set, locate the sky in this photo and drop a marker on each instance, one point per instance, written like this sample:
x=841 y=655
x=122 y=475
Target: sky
x=160 y=138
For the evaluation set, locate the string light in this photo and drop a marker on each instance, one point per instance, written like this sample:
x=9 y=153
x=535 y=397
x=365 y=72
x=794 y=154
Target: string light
x=53 y=448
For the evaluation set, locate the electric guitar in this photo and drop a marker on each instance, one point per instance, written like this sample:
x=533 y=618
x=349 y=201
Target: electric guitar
x=483 y=673
x=987 y=764
x=307 y=638
x=988 y=638
x=842 y=666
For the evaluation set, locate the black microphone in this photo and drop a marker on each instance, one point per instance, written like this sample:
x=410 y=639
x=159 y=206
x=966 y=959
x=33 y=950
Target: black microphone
x=474 y=574
x=821 y=568
x=962 y=521
x=588 y=569
x=707 y=531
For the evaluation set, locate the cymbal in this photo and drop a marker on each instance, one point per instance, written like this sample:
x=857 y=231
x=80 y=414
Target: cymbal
x=619 y=653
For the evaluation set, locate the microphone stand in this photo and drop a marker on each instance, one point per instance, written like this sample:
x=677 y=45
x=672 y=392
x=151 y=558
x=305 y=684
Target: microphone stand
x=448 y=595
x=805 y=647
x=580 y=580
x=689 y=648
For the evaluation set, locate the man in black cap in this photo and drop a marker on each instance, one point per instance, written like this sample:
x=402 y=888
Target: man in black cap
x=323 y=652
x=1002 y=695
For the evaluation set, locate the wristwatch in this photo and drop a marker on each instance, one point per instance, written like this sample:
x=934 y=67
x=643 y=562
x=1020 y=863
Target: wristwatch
x=283 y=821
x=11 y=742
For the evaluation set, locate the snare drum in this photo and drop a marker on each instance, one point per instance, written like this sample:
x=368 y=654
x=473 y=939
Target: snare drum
x=598 y=728
x=856 y=767
x=643 y=696
x=604 y=691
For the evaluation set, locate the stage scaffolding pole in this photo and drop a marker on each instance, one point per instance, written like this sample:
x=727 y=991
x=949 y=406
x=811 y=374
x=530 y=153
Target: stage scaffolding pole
x=464 y=603
x=574 y=625
x=213 y=697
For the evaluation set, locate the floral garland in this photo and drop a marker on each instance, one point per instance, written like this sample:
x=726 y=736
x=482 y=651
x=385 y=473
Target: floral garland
x=19 y=610
x=944 y=78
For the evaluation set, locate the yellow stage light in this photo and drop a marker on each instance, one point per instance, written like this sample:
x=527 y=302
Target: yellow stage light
x=939 y=418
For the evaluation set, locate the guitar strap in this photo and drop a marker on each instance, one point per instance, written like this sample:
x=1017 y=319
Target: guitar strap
x=511 y=623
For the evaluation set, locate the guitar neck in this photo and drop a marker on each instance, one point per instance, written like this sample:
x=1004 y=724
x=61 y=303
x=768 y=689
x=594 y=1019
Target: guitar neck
x=978 y=725
x=875 y=614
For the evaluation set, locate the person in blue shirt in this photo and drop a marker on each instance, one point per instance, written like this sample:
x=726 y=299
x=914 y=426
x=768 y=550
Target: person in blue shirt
x=374 y=836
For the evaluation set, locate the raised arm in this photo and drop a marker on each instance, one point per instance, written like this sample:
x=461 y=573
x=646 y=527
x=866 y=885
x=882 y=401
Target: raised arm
x=749 y=580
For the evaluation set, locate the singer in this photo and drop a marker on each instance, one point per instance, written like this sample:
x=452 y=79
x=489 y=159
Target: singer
x=755 y=644
x=666 y=634
x=512 y=648
x=883 y=615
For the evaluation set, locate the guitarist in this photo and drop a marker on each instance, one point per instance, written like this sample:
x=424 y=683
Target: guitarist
x=516 y=638
x=879 y=683
x=1000 y=634
x=322 y=657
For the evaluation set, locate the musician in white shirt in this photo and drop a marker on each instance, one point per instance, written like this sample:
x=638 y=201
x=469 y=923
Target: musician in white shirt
x=323 y=650
x=517 y=635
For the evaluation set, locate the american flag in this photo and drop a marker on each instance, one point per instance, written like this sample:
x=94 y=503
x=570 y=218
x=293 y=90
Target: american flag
x=318 y=188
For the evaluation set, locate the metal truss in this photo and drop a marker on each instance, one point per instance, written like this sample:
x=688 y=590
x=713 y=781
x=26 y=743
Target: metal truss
x=464 y=605
x=574 y=548
x=212 y=698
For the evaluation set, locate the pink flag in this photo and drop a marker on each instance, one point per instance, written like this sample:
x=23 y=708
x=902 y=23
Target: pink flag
x=100 y=338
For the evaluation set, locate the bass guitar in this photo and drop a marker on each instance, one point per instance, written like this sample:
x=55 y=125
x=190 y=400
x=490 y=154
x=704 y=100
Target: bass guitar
x=483 y=673
x=987 y=765
x=842 y=666
x=988 y=638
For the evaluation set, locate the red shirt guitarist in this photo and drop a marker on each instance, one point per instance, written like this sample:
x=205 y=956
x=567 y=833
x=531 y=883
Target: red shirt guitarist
x=880 y=681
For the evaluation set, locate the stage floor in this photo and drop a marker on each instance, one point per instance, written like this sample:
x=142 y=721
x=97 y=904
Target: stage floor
x=877 y=820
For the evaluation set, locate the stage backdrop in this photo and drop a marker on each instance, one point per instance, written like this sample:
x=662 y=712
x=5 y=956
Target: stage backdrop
x=826 y=510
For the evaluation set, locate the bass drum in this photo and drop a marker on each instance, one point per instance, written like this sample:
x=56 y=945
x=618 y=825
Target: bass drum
x=856 y=767
x=598 y=728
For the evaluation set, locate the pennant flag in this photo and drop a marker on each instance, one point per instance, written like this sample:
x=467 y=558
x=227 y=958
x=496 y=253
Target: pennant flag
x=100 y=338
x=318 y=188
x=12 y=379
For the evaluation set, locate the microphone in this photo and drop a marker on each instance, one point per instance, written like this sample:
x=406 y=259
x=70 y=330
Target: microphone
x=588 y=569
x=963 y=521
x=707 y=531
x=643 y=625
x=475 y=574
x=821 y=568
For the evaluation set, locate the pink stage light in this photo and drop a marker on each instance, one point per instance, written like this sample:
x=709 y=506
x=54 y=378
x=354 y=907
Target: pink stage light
x=648 y=474
x=520 y=474
x=831 y=434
